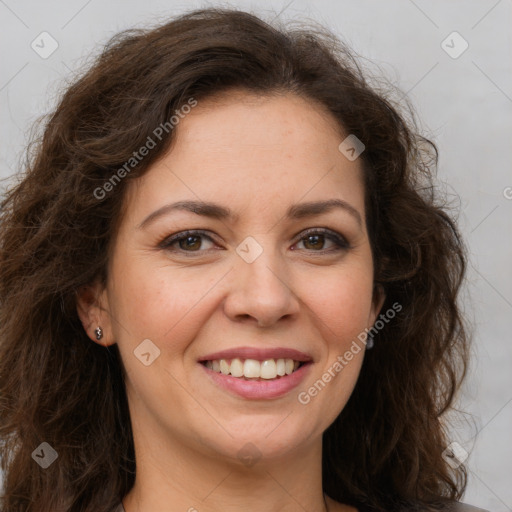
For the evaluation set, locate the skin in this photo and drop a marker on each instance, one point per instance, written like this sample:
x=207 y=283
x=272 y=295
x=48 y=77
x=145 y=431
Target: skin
x=256 y=156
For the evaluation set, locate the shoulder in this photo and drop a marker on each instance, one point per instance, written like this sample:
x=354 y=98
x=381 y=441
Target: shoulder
x=463 y=507
x=335 y=506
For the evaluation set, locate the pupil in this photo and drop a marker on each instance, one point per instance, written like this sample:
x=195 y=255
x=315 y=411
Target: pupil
x=316 y=239
x=189 y=244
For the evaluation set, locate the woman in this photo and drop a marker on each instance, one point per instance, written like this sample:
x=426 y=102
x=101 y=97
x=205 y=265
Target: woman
x=237 y=286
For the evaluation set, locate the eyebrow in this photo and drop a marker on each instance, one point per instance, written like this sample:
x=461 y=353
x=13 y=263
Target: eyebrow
x=216 y=211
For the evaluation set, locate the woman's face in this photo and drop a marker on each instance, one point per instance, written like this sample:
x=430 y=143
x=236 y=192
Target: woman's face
x=260 y=283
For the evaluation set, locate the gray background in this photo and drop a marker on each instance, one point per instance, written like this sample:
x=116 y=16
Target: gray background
x=465 y=105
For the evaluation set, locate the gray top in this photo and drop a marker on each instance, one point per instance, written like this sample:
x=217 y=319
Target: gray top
x=455 y=507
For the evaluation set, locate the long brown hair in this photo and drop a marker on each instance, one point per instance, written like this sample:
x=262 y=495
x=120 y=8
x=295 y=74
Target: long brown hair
x=56 y=386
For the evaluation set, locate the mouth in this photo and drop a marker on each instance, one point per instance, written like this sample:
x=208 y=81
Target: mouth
x=257 y=374
x=252 y=369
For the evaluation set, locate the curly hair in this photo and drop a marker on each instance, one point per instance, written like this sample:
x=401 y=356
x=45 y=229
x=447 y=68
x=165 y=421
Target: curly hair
x=385 y=448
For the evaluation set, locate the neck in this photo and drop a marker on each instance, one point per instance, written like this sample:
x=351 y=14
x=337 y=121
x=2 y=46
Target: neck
x=180 y=478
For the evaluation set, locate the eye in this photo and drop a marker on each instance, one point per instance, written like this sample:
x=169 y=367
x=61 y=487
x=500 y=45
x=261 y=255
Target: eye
x=186 y=241
x=314 y=239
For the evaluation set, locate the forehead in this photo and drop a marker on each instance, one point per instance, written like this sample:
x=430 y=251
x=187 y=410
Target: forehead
x=264 y=152
x=281 y=119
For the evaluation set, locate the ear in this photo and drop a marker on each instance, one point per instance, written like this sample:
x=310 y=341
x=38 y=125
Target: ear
x=93 y=310
x=379 y=296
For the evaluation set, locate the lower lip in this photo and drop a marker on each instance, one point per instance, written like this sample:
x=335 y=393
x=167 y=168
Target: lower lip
x=259 y=389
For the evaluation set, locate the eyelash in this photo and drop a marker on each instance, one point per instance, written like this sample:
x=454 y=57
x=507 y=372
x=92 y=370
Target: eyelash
x=339 y=240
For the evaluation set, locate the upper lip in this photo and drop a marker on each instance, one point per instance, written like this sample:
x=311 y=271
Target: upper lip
x=260 y=354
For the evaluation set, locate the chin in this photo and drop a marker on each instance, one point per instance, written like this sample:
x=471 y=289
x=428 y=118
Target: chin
x=266 y=439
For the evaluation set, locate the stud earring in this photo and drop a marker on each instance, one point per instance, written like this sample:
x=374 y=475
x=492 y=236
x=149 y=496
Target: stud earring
x=99 y=333
x=369 y=342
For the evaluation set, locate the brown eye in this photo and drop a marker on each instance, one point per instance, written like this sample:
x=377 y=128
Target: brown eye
x=315 y=241
x=190 y=242
x=186 y=242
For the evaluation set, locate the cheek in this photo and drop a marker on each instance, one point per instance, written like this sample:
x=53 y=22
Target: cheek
x=143 y=304
x=340 y=305
x=341 y=302
x=159 y=303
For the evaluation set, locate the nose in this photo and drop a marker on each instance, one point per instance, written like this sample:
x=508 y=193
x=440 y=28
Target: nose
x=261 y=292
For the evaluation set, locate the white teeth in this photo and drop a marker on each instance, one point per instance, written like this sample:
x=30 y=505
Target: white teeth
x=224 y=367
x=253 y=369
x=280 y=367
x=237 y=368
x=268 y=369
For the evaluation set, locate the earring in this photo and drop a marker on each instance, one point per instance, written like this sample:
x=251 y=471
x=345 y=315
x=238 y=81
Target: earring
x=99 y=333
x=369 y=341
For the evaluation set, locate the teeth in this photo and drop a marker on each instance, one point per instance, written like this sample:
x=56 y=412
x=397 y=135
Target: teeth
x=224 y=367
x=237 y=368
x=253 y=369
x=268 y=369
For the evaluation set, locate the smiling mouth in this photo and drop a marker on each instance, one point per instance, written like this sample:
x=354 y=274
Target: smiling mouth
x=252 y=369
